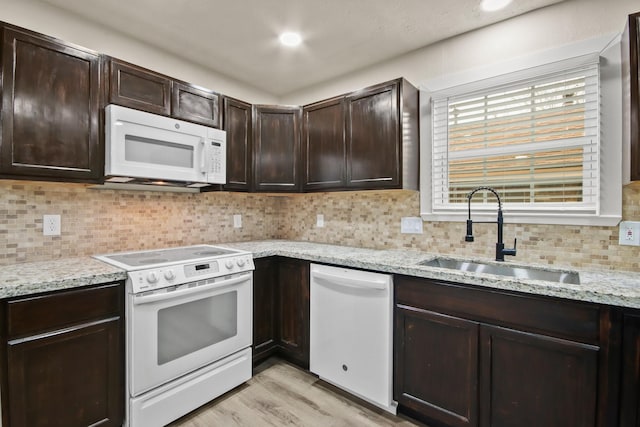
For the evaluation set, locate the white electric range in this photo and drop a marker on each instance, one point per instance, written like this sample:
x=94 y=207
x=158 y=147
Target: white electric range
x=188 y=328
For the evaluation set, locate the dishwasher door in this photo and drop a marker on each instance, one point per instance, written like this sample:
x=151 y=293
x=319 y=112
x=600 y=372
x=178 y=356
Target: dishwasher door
x=351 y=342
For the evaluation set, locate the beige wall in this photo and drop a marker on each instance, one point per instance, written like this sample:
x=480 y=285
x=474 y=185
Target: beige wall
x=101 y=221
x=563 y=23
x=372 y=219
x=40 y=17
x=104 y=221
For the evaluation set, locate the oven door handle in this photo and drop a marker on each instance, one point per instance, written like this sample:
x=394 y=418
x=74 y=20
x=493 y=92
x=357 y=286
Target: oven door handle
x=138 y=300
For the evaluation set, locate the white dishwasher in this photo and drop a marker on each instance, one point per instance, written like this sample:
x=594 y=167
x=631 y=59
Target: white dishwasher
x=351 y=342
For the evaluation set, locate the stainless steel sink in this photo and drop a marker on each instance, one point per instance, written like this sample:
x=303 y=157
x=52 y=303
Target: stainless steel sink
x=519 y=272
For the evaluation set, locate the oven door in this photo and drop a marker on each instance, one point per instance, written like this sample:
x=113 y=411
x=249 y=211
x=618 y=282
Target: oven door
x=171 y=333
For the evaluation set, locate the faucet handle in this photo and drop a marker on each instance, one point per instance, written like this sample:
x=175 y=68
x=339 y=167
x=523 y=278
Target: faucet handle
x=511 y=252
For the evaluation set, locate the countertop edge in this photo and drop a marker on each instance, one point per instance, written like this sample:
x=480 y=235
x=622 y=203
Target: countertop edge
x=621 y=289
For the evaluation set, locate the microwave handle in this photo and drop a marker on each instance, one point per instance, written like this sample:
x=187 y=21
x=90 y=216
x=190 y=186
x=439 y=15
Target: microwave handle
x=203 y=157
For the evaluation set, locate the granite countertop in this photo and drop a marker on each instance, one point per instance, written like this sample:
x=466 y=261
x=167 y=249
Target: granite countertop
x=36 y=277
x=603 y=287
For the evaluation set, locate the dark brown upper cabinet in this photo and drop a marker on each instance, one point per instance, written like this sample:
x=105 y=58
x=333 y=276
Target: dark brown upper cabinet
x=192 y=103
x=382 y=138
x=237 y=124
x=631 y=66
x=367 y=139
x=276 y=148
x=50 y=109
x=135 y=87
x=323 y=145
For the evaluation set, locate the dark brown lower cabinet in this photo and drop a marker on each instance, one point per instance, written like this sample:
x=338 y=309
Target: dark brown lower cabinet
x=535 y=380
x=265 y=279
x=437 y=368
x=467 y=356
x=293 y=310
x=63 y=358
x=630 y=387
x=281 y=310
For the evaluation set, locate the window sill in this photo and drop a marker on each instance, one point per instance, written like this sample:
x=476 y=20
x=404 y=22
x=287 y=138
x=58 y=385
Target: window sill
x=525 y=218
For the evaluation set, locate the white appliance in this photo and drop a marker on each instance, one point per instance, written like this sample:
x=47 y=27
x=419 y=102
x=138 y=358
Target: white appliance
x=351 y=342
x=148 y=148
x=188 y=328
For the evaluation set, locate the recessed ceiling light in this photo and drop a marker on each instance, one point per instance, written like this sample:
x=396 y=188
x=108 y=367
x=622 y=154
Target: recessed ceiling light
x=290 y=39
x=493 y=5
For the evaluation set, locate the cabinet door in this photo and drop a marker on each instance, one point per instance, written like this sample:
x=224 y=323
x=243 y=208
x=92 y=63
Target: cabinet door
x=196 y=105
x=69 y=378
x=276 y=150
x=373 y=137
x=630 y=387
x=264 y=309
x=293 y=310
x=237 y=123
x=323 y=145
x=634 y=64
x=50 y=109
x=535 y=380
x=135 y=87
x=436 y=366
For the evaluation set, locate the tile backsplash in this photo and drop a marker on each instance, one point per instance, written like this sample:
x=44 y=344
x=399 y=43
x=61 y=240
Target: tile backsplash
x=101 y=221
x=372 y=219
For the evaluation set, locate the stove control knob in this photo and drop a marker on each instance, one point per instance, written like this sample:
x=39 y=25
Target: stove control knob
x=169 y=275
x=240 y=262
x=152 y=277
x=229 y=264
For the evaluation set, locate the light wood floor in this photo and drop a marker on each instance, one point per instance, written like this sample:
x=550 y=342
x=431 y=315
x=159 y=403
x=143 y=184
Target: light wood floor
x=280 y=394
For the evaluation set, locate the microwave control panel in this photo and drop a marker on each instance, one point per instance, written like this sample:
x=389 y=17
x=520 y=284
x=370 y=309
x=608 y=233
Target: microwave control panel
x=216 y=157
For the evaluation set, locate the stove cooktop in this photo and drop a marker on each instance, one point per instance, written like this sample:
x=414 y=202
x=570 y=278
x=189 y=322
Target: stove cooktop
x=148 y=259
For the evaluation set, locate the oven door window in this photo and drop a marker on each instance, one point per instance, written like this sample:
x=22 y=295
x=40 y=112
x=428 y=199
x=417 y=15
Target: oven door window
x=186 y=328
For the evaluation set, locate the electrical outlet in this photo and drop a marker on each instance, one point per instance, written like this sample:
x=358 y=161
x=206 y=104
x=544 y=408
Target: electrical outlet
x=320 y=220
x=50 y=225
x=629 y=233
x=237 y=221
x=410 y=224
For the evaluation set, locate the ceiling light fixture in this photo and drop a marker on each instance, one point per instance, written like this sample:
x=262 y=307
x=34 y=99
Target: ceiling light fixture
x=290 y=39
x=493 y=5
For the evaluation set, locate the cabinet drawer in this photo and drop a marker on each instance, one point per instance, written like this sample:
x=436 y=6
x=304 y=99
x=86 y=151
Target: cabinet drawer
x=551 y=316
x=28 y=316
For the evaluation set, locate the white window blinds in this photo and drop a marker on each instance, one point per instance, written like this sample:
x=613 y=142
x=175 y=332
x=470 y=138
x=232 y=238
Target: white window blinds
x=535 y=140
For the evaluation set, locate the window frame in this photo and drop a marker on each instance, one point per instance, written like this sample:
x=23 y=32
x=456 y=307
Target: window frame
x=608 y=210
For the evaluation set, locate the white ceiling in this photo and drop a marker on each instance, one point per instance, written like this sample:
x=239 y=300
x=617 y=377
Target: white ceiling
x=238 y=38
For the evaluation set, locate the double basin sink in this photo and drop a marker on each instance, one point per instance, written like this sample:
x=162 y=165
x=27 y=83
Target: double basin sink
x=519 y=272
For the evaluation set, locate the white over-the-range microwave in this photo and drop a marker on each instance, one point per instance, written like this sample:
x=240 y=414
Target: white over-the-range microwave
x=147 y=148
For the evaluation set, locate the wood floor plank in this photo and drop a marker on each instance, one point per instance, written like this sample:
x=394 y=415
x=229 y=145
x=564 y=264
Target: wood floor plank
x=281 y=394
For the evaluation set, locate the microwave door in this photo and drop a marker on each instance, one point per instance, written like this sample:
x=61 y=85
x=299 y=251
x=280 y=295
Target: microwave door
x=156 y=153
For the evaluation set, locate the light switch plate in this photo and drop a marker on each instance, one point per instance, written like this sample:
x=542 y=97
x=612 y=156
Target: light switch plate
x=630 y=233
x=237 y=221
x=320 y=220
x=411 y=224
